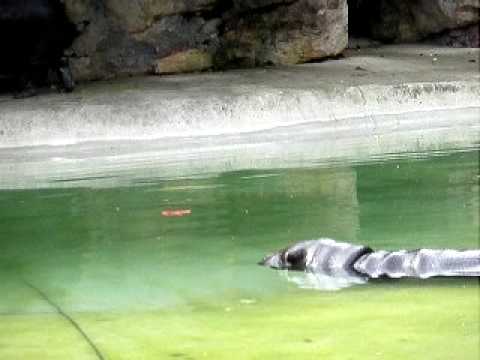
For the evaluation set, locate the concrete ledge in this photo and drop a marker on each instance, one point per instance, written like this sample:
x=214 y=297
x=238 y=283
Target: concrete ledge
x=377 y=104
x=342 y=143
x=366 y=84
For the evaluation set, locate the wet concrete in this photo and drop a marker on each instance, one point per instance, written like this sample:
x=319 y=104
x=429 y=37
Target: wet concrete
x=365 y=84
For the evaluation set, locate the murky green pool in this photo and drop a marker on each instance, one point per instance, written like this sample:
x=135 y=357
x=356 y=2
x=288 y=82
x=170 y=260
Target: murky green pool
x=146 y=286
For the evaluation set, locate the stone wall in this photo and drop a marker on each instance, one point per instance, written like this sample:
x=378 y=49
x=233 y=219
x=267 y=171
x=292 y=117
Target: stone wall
x=126 y=37
x=123 y=37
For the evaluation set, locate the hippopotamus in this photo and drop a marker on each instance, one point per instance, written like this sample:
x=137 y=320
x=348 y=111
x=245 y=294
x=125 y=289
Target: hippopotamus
x=332 y=264
x=33 y=37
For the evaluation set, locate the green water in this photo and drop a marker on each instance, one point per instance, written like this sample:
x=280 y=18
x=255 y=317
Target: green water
x=145 y=286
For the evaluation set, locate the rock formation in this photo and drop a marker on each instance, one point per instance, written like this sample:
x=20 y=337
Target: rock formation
x=414 y=20
x=129 y=37
x=123 y=37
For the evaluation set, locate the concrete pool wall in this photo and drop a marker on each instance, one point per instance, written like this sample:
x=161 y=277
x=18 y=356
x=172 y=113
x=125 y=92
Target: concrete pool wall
x=373 y=102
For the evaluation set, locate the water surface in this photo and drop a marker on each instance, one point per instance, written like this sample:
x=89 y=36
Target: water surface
x=146 y=286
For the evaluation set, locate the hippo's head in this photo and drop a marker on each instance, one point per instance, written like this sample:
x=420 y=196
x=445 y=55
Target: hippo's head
x=291 y=258
x=321 y=264
x=320 y=256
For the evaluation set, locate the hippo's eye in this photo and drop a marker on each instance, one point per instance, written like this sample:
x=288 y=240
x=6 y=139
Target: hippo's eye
x=296 y=259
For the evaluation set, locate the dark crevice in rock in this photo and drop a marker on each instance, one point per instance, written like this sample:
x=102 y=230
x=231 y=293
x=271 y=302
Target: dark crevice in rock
x=33 y=36
x=327 y=58
x=215 y=12
x=246 y=11
x=467 y=36
x=400 y=21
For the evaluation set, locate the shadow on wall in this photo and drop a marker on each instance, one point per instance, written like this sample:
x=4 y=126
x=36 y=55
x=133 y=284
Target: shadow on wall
x=444 y=22
x=34 y=35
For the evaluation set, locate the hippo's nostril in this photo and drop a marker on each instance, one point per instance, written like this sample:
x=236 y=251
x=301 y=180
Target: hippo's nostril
x=272 y=261
x=265 y=261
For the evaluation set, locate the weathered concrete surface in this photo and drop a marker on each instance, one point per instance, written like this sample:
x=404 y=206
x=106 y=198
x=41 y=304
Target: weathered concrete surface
x=343 y=143
x=390 y=80
x=375 y=104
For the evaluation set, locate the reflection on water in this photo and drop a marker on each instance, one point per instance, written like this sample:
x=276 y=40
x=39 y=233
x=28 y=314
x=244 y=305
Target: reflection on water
x=117 y=243
x=109 y=257
x=319 y=281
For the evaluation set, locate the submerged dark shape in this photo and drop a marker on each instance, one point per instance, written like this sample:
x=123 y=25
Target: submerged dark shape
x=343 y=264
x=33 y=37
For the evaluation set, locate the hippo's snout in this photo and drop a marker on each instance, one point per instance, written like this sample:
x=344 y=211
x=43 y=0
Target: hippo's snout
x=273 y=261
x=293 y=258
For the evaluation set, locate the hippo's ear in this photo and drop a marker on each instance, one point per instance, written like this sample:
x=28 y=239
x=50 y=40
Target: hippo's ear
x=296 y=259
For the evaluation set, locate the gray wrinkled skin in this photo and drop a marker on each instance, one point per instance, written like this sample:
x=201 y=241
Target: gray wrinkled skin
x=422 y=264
x=330 y=265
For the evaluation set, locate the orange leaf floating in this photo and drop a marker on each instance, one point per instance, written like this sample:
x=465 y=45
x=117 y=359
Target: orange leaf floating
x=176 y=212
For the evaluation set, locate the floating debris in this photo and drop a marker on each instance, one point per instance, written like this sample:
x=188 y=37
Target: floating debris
x=176 y=212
